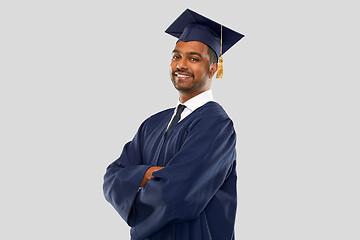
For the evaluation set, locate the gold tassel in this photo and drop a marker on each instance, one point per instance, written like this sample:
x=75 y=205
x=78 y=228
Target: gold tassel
x=220 y=70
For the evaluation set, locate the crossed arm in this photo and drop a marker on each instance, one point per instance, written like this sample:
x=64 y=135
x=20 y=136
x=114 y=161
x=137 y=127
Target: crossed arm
x=149 y=210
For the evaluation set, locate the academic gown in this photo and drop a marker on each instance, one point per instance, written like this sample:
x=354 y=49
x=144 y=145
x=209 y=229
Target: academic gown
x=194 y=196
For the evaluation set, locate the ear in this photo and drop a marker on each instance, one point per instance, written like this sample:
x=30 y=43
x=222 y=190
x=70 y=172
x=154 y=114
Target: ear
x=213 y=69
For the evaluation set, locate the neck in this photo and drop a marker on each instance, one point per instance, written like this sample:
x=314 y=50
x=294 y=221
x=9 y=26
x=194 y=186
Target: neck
x=185 y=96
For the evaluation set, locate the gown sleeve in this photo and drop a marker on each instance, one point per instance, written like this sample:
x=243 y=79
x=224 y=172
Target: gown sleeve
x=123 y=177
x=181 y=191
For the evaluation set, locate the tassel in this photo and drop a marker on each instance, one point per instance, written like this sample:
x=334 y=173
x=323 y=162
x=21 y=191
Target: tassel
x=220 y=70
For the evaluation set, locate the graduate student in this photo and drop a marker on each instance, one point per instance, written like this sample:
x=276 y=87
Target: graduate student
x=176 y=180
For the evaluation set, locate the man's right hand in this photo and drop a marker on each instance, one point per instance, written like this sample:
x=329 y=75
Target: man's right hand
x=148 y=175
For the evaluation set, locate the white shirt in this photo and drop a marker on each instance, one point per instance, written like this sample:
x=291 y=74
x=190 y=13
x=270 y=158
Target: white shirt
x=193 y=103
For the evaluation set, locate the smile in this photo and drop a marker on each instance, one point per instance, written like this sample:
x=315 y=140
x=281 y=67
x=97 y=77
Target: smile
x=182 y=75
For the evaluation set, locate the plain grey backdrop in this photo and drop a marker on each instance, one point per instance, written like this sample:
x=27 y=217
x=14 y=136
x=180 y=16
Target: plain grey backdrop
x=79 y=77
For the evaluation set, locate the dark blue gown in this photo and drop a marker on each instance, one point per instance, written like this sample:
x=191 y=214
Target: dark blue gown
x=194 y=196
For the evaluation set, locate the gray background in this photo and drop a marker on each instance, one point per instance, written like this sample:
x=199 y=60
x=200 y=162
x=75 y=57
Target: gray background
x=79 y=77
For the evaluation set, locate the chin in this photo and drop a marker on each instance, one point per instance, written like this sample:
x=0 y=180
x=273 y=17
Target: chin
x=178 y=85
x=183 y=89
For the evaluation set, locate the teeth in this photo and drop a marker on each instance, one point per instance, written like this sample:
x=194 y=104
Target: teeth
x=182 y=76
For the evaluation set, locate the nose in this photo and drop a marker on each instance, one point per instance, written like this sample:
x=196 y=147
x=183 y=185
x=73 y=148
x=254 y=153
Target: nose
x=181 y=64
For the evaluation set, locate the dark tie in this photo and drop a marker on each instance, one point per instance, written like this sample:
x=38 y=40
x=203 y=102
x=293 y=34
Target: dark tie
x=176 y=118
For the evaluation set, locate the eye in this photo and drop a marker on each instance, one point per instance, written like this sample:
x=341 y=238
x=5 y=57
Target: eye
x=175 y=57
x=194 y=59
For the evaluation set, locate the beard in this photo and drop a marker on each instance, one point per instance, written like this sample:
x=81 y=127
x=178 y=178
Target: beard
x=189 y=85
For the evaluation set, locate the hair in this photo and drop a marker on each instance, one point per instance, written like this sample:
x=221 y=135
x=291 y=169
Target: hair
x=212 y=55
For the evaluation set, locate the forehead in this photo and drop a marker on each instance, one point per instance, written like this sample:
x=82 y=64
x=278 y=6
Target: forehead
x=191 y=46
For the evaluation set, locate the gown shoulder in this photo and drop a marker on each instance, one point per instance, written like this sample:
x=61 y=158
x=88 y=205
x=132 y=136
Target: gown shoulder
x=212 y=110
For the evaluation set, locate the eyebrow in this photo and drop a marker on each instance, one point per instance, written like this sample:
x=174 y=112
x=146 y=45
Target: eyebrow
x=188 y=53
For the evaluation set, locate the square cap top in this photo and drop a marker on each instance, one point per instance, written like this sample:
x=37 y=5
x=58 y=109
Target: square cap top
x=191 y=26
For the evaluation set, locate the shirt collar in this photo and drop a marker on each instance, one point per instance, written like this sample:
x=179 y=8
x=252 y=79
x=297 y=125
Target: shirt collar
x=193 y=103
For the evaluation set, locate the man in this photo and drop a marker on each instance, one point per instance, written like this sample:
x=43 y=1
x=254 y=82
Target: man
x=176 y=179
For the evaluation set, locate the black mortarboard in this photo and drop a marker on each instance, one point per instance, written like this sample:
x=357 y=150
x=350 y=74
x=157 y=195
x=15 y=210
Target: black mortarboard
x=191 y=26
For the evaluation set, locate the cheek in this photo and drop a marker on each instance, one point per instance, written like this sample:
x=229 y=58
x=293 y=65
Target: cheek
x=201 y=71
x=172 y=66
x=170 y=71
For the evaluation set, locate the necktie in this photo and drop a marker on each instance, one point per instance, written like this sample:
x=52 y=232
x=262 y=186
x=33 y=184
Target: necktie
x=176 y=118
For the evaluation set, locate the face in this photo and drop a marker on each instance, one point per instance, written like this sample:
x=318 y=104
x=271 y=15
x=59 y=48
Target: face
x=190 y=69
